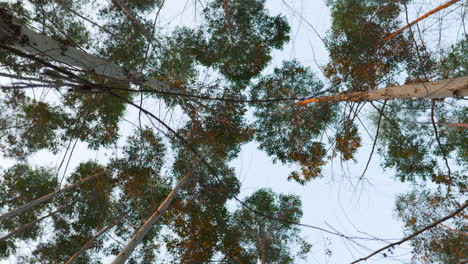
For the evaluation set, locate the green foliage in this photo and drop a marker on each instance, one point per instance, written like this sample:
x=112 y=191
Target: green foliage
x=233 y=44
x=445 y=243
x=265 y=237
x=410 y=147
x=139 y=179
x=292 y=134
x=454 y=62
x=241 y=25
x=176 y=64
x=360 y=58
x=28 y=125
x=78 y=221
x=199 y=217
x=21 y=184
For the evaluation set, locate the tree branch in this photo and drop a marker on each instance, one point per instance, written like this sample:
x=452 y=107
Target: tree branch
x=419 y=19
x=460 y=209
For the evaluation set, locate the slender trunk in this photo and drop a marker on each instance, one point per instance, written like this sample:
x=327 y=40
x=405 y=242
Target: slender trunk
x=261 y=246
x=89 y=243
x=143 y=230
x=130 y=16
x=457 y=87
x=26 y=40
x=420 y=18
x=46 y=197
x=25 y=226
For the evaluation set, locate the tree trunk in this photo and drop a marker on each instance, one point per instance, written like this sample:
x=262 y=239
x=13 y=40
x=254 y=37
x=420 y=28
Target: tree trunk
x=25 y=226
x=143 y=230
x=46 y=197
x=420 y=18
x=457 y=87
x=261 y=246
x=26 y=40
x=89 y=243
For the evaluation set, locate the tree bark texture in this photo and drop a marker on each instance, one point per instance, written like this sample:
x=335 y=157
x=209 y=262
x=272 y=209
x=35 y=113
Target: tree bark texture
x=26 y=40
x=457 y=87
x=126 y=252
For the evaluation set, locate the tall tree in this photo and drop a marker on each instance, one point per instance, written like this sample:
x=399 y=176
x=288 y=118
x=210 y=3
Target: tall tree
x=96 y=63
x=266 y=238
x=446 y=243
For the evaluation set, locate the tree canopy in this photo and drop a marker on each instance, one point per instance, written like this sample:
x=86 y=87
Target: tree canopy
x=168 y=108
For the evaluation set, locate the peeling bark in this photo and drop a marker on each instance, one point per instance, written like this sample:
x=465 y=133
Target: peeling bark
x=457 y=87
x=26 y=40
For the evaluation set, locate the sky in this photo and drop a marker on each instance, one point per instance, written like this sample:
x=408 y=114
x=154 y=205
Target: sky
x=338 y=201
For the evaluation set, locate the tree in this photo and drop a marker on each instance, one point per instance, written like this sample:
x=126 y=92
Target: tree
x=264 y=236
x=293 y=134
x=363 y=67
x=91 y=111
x=442 y=244
x=168 y=184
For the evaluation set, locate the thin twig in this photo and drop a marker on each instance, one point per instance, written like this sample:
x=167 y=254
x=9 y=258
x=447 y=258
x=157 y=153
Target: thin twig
x=420 y=18
x=442 y=150
x=460 y=209
x=375 y=140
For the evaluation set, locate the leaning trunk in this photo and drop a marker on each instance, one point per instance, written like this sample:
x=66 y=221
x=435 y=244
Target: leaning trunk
x=19 y=37
x=457 y=87
x=72 y=259
x=136 y=239
x=46 y=197
x=26 y=226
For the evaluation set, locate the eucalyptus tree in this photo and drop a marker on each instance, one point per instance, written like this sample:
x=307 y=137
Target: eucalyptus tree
x=446 y=243
x=263 y=235
x=91 y=74
x=365 y=64
x=104 y=65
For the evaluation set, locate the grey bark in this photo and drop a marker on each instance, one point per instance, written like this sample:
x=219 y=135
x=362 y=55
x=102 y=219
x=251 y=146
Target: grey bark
x=457 y=87
x=46 y=197
x=127 y=251
x=26 y=40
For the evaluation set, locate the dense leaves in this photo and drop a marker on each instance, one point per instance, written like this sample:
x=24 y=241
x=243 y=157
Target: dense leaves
x=264 y=236
x=360 y=57
x=220 y=64
x=445 y=243
x=292 y=134
x=410 y=146
x=21 y=184
x=240 y=25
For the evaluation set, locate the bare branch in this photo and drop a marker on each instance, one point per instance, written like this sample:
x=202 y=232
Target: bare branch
x=459 y=210
x=375 y=139
x=420 y=18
